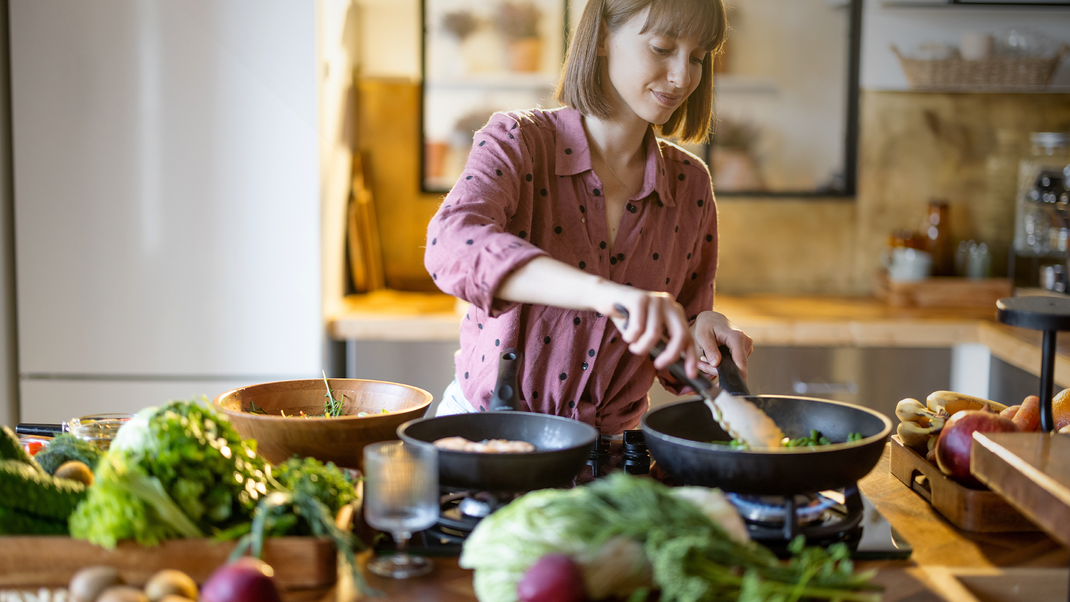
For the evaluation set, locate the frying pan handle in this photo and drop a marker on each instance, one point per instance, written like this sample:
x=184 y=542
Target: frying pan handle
x=41 y=430
x=506 y=390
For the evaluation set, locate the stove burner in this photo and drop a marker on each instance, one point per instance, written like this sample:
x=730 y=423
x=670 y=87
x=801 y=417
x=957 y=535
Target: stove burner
x=823 y=519
x=771 y=509
x=474 y=507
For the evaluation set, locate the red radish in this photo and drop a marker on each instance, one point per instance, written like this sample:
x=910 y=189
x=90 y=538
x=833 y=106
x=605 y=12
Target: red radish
x=247 y=579
x=553 y=578
x=956 y=439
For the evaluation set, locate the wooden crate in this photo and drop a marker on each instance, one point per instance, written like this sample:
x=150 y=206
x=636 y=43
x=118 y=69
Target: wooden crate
x=942 y=291
x=31 y=562
x=978 y=510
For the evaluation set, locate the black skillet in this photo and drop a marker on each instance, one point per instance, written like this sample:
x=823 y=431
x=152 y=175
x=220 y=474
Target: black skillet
x=562 y=445
x=680 y=436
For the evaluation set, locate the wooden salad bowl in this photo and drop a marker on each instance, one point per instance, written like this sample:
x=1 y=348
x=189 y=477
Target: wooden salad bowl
x=292 y=421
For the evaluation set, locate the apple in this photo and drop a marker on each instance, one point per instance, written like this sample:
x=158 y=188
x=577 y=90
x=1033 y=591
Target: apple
x=247 y=579
x=956 y=438
x=553 y=578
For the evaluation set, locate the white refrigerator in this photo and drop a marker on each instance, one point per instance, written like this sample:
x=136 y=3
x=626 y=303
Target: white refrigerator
x=166 y=198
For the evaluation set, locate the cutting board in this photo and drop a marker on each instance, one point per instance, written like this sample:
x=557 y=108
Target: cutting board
x=1032 y=472
x=300 y=563
x=977 y=510
x=941 y=291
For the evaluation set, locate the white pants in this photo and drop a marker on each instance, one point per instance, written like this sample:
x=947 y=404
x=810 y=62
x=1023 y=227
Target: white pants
x=454 y=401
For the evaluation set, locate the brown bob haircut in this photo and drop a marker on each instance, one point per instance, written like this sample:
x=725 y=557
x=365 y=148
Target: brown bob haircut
x=579 y=86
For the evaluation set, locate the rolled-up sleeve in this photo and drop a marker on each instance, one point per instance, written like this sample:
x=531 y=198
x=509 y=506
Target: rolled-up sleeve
x=473 y=241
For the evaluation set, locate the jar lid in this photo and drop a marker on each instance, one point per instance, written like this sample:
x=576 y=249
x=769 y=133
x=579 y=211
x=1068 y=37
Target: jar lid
x=1049 y=138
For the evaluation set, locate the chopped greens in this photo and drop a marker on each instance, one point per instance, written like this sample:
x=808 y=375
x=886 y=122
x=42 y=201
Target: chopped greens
x=814 y=439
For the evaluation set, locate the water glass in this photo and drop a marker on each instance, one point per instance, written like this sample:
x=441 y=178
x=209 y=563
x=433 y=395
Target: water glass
x=401 y=496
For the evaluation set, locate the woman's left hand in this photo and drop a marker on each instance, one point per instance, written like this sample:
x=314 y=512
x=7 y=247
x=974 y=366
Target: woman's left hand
x=712 y=330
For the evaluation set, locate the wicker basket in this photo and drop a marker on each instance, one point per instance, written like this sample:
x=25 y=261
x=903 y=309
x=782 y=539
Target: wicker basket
x=993 y=74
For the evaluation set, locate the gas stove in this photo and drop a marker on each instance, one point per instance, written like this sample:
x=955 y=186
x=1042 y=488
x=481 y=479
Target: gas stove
x=822 y=518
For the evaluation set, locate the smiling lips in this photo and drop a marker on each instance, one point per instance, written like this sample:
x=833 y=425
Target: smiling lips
x=669 y=100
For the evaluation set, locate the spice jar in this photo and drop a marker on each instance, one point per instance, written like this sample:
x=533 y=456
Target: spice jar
x=936 y=235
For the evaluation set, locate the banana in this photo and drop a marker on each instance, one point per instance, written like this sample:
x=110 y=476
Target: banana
x=919 y=425
x=952 y=402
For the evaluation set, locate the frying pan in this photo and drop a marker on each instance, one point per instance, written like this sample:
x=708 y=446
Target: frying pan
x=562 y=445
x=680 y=435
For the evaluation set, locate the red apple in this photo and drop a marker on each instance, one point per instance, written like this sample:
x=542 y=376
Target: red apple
x=553 y=578
x=247 y=579
x=956 y=438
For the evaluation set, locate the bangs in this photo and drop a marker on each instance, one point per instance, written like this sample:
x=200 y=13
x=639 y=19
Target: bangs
x=701 y=20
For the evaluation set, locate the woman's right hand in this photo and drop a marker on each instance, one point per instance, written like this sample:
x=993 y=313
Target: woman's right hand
x=652 y=317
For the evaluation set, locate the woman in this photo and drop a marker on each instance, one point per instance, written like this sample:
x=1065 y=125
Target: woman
x=561 y=216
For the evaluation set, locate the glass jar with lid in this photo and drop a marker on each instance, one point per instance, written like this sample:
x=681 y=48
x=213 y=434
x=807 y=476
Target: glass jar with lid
x=1042 y=215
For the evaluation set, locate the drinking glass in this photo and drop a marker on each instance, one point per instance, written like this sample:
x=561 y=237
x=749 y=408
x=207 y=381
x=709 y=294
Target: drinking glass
x=401 y=496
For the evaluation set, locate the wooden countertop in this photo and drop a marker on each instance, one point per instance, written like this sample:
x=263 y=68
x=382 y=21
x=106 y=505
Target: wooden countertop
x=938 y=547
x=773 y=320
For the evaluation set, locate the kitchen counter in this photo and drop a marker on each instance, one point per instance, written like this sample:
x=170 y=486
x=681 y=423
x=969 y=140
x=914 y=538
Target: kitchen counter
x=768 y=319
x=939 y=549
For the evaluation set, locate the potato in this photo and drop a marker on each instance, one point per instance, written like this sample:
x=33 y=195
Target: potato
x=75 y=471
x=170 y=582
x=87 y=583
x=122 y=593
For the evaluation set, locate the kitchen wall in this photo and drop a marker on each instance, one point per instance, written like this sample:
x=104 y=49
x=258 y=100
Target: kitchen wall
x=913 y=147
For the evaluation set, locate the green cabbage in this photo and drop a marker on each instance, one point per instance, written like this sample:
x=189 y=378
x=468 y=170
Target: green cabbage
x=631 y=535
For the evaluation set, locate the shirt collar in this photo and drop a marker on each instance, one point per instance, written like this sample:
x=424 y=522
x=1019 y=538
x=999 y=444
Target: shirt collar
x=574 y=156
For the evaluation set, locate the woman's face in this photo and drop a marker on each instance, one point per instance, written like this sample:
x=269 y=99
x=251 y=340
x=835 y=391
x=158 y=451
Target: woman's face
x=649 y=74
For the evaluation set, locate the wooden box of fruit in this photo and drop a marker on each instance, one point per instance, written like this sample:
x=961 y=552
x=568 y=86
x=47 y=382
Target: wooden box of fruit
x=958 y=497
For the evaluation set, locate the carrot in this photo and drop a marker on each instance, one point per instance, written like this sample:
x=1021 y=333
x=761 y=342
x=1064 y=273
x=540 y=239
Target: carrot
x=1010 y=412
x=1027 y=419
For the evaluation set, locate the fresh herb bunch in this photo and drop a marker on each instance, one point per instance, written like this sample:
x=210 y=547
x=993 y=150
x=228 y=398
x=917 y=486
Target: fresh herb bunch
x=64 y=448
x=333 y=407
x=325 y=482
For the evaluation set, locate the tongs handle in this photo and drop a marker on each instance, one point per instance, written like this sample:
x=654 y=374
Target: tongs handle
x=728 y=375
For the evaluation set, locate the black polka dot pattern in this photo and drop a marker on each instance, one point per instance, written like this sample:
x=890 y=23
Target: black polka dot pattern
x=631 y=208
x=590 y=353
x=543 y=192
x=497 y=342
x=655 y=256
x=523 y=234
x=433 y=241
x=576 y=321
x=694 y=275
x=612 y=261
x=534 y=394
x=680 y=177
x=602 y=245
x=469 y=241
x=466 y=375
x=571 y=404
x=469 y=177
x=558 y=230
x=583 y=209
x=620 y=256
x=482 y=142
x=568 y=151
x=709 y=238
x=562 y=376
x=546 y=340
x=583 y=264
x=700 y=202
x=596 y=192
x=498 y=172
